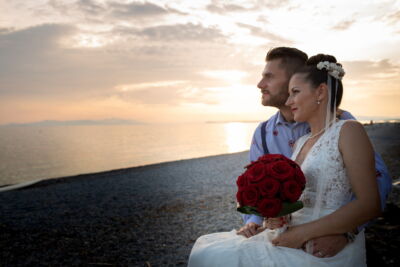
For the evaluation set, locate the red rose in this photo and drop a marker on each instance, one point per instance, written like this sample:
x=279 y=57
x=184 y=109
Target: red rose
x=267 y=158
x=291 y=191
x=249 y=196
x=269 y=207
x=250 y=164
x=299 y=177
x=239 y=197
x=269 y=188
x=291 y=162
x=242 y=181
x=256 y=173
x=270 y=184
x=281 y=170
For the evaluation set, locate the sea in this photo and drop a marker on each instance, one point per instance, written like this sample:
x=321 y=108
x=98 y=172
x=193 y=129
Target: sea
x=29 y=153
x=38 y=152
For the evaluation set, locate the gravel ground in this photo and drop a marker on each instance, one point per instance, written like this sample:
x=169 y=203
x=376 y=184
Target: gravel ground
x=148 y=215
x=383 y=237
x=151 y=215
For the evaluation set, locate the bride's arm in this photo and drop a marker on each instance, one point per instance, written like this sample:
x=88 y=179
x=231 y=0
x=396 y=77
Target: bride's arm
x=358 y=158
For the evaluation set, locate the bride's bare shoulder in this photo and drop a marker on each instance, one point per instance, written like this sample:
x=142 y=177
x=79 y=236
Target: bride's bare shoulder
x=353 y=134
x=352 y=127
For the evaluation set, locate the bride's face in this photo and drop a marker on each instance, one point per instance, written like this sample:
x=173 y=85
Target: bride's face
x=302 y=98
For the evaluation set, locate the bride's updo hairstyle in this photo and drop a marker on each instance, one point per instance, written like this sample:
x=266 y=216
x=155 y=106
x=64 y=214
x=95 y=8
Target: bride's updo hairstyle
x=317 y=75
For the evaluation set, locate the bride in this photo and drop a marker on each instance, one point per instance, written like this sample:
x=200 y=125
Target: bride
x=337 y=160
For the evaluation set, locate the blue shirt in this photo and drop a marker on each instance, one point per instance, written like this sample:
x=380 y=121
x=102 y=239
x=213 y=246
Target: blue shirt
x=280 y=138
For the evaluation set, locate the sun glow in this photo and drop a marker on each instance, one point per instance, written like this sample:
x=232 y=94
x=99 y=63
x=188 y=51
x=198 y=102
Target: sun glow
x=139 y=86
x=231 y=76
x=88 y=41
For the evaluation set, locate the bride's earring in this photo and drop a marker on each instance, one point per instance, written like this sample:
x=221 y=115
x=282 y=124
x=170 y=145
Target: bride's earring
x=318 y=102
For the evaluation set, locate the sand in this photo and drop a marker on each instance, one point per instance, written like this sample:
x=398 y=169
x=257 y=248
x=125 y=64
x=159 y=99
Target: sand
x=151 y=215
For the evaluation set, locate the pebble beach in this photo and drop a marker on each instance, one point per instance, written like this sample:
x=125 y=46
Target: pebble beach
x=151 y=215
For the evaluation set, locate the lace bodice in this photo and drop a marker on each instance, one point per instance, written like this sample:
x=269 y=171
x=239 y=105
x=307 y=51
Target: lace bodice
x=327 y=185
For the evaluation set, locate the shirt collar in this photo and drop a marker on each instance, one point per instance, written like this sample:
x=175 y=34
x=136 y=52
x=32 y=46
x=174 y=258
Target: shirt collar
x=280 y=120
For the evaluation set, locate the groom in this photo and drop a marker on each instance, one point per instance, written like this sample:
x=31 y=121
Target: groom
x=280 y=133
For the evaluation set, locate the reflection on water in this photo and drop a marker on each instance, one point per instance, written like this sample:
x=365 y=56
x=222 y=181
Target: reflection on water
x=237 y=136
x=39 y=152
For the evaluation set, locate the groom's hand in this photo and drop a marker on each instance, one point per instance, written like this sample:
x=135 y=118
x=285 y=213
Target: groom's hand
x=328 y=246
x=248 y=230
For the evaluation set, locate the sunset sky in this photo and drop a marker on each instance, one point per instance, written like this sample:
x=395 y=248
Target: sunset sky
x=185 y=60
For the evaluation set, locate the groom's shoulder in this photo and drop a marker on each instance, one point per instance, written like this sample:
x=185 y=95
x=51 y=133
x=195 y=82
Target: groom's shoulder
x=345 y=115
x=270 y=121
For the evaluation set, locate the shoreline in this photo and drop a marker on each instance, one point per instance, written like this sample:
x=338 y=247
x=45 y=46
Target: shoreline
x=369 y=127
x=33 y=183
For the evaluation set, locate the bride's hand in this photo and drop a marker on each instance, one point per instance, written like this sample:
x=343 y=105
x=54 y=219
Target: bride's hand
x=293 y=237
x=274 y=223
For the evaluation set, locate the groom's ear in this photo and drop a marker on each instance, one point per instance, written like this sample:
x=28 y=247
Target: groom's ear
x=322 y=92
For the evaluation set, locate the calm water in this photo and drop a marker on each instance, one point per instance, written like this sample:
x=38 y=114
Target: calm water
x=40 y=152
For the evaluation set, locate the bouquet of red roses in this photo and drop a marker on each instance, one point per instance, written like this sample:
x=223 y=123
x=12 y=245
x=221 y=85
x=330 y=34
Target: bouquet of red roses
x=270 y=187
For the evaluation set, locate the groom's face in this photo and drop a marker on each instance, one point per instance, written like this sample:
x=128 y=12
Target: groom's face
x=274 y=84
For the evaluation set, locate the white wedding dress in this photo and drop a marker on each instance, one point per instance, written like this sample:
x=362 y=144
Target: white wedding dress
x=327 y=189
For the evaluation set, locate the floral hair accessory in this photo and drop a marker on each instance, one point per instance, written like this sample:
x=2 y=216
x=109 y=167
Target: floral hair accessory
x=333 y=69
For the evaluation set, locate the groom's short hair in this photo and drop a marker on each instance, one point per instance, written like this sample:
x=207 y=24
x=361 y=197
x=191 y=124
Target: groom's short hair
x=291 y=58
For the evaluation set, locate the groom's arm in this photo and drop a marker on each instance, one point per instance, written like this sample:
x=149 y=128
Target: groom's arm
x=256 y=151
x=251 y=218
x=383 y=178
x=253 y=222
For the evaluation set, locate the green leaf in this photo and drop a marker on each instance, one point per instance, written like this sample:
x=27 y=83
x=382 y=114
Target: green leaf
x=248 y=210
x=288 y=208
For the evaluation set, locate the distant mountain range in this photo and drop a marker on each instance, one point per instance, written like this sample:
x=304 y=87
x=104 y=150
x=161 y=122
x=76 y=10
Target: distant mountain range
x=78 y=122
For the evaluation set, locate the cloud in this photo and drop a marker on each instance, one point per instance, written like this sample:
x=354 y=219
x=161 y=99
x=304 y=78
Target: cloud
x=136 y=9
x=181 y=32
x=149 y=85
x=219 y=8
x=161 y=96
x=343 y=25
x=60 y=7
x=110 y=11
x=20 y=50
x=393 y=18
x=173 y=33
x=36 y=62
x=371 y=70
x=5 y=30
x=256 y=31
x=222 y=9
x=170 y=93
x=375 y=84
x=271 y=4
x=90 y=7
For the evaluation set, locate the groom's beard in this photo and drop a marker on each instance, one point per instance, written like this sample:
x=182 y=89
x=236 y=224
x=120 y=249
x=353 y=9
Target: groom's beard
x=277 y=100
